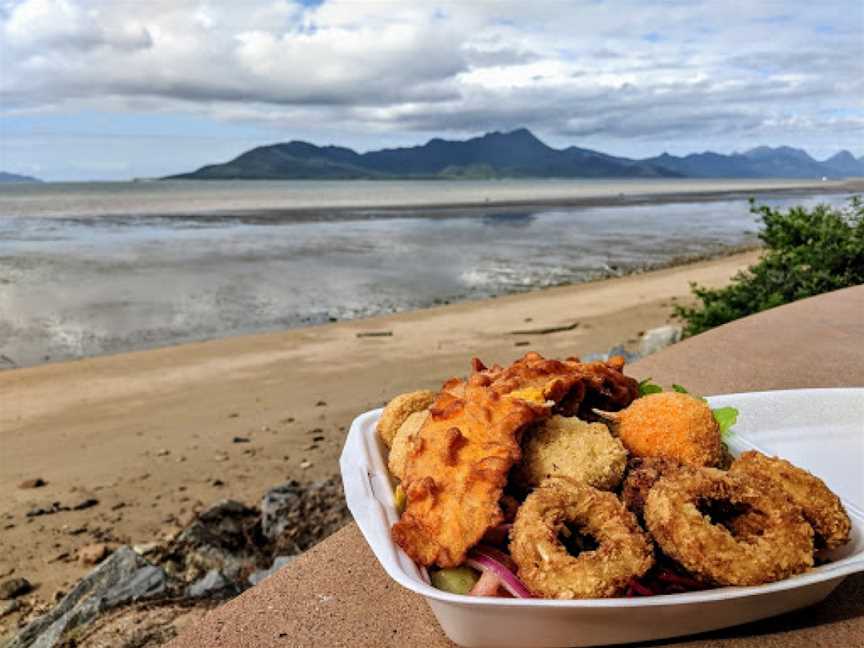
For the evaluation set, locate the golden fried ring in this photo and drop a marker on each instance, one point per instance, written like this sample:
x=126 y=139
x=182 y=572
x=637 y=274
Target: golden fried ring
x=400 y=408
x=545 y=566
x=710 y=551
x=821 y=507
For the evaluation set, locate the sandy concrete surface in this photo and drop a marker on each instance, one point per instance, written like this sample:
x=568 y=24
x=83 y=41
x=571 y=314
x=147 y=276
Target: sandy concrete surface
x=337 y=595
x=147 y=434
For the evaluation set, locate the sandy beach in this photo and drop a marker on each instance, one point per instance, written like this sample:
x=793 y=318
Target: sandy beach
x=156 y=435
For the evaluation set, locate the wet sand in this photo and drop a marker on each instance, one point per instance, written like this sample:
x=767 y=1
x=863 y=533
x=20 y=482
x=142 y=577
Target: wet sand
x=150 y=435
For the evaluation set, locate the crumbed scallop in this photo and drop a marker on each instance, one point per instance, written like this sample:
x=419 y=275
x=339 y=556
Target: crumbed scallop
x=671 y=425
x=569 y=447
x=399 y=409
x=403 y=443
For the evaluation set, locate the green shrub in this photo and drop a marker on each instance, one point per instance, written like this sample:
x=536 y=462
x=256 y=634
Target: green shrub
x=807 y=252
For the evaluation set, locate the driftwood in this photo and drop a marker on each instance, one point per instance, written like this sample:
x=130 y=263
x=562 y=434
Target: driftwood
x=363 y=334
x=546 y=331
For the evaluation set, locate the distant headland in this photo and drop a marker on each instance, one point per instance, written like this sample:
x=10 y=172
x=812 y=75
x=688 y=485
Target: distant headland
x=514 y=154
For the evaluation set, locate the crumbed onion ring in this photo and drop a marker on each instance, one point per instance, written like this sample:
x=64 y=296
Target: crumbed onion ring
x=544 y=564
x=783 y=547
x=821 y=507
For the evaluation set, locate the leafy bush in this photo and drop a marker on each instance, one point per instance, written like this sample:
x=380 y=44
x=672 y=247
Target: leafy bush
x=807 y=252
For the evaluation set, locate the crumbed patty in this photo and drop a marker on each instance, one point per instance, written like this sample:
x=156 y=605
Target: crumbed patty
x=569 y=447
x=403 y=443
x=400 y=408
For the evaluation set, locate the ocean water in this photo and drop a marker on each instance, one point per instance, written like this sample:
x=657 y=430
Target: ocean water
x=86 y=270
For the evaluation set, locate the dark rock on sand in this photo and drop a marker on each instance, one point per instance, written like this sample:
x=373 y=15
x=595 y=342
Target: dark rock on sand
x=123 y=578
x=14 y=587
x=37 y=482
x=295 y=516
x=224 y=537
x=212 y=585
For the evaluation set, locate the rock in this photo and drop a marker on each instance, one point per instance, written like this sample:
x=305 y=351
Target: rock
x=164 y=452
x=54 y=507
x=14 y=587
x=220 y=538
x=624 y=353
x=93 y=554
x=146 y=548
x=659 y=338
x=239 y=439
x=124 y=577
x=305 y=464
x=321 y=403
x=259 y=575
x=295 y=517
x=37 y=482
x=90 y=502
x=277 y=507
x=212 y=585
x=8 y=607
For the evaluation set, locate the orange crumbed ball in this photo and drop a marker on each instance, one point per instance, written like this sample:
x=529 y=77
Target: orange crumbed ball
x=671 y=425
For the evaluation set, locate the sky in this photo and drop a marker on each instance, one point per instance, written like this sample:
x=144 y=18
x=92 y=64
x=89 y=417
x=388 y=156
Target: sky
x=115 y=89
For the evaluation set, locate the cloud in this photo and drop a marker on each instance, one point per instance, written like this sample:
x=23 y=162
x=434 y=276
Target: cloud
x=652 y=71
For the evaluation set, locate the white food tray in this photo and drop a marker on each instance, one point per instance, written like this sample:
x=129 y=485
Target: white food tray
x=821 y=430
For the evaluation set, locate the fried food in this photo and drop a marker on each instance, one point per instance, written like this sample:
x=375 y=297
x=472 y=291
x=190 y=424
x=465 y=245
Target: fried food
x=400 y=408
x=624 y=551
x=567 y=447
x=403 y=442
x=599 y=384
x=604 y=386
x=642 y=474
x=458 y=465
x=671 y=425
x=710 y=551
x=821 y=507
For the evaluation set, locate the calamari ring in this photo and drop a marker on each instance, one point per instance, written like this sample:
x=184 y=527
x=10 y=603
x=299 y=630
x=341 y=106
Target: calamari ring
x=711 y=551
x=545 y=566
x=821 y=507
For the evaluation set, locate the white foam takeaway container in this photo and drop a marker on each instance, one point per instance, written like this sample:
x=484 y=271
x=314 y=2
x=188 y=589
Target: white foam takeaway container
x=821 y=430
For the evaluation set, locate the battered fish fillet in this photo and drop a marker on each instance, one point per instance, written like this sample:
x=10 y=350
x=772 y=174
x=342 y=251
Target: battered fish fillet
x=400 y=408
x=821 y=507
x=457 y=469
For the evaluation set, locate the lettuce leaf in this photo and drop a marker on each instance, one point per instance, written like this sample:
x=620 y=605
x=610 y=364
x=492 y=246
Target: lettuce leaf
x=647 y=387
x=726 y=418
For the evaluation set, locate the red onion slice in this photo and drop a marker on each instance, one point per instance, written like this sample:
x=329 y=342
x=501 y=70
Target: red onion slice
x=487 y=585
x=487 y=559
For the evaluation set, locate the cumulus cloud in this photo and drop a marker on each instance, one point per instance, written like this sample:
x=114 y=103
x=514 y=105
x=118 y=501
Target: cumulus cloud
x=654 y=71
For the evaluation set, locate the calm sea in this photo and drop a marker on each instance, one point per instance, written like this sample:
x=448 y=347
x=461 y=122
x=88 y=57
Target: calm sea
x=89 y=269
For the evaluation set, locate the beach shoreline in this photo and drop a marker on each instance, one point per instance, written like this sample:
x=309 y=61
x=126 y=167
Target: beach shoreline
x=466 y=209
x=153 y=435
x=310 y=201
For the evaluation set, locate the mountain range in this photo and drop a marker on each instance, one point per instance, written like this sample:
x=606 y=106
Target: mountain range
x=14 y=178
x=515 y=154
